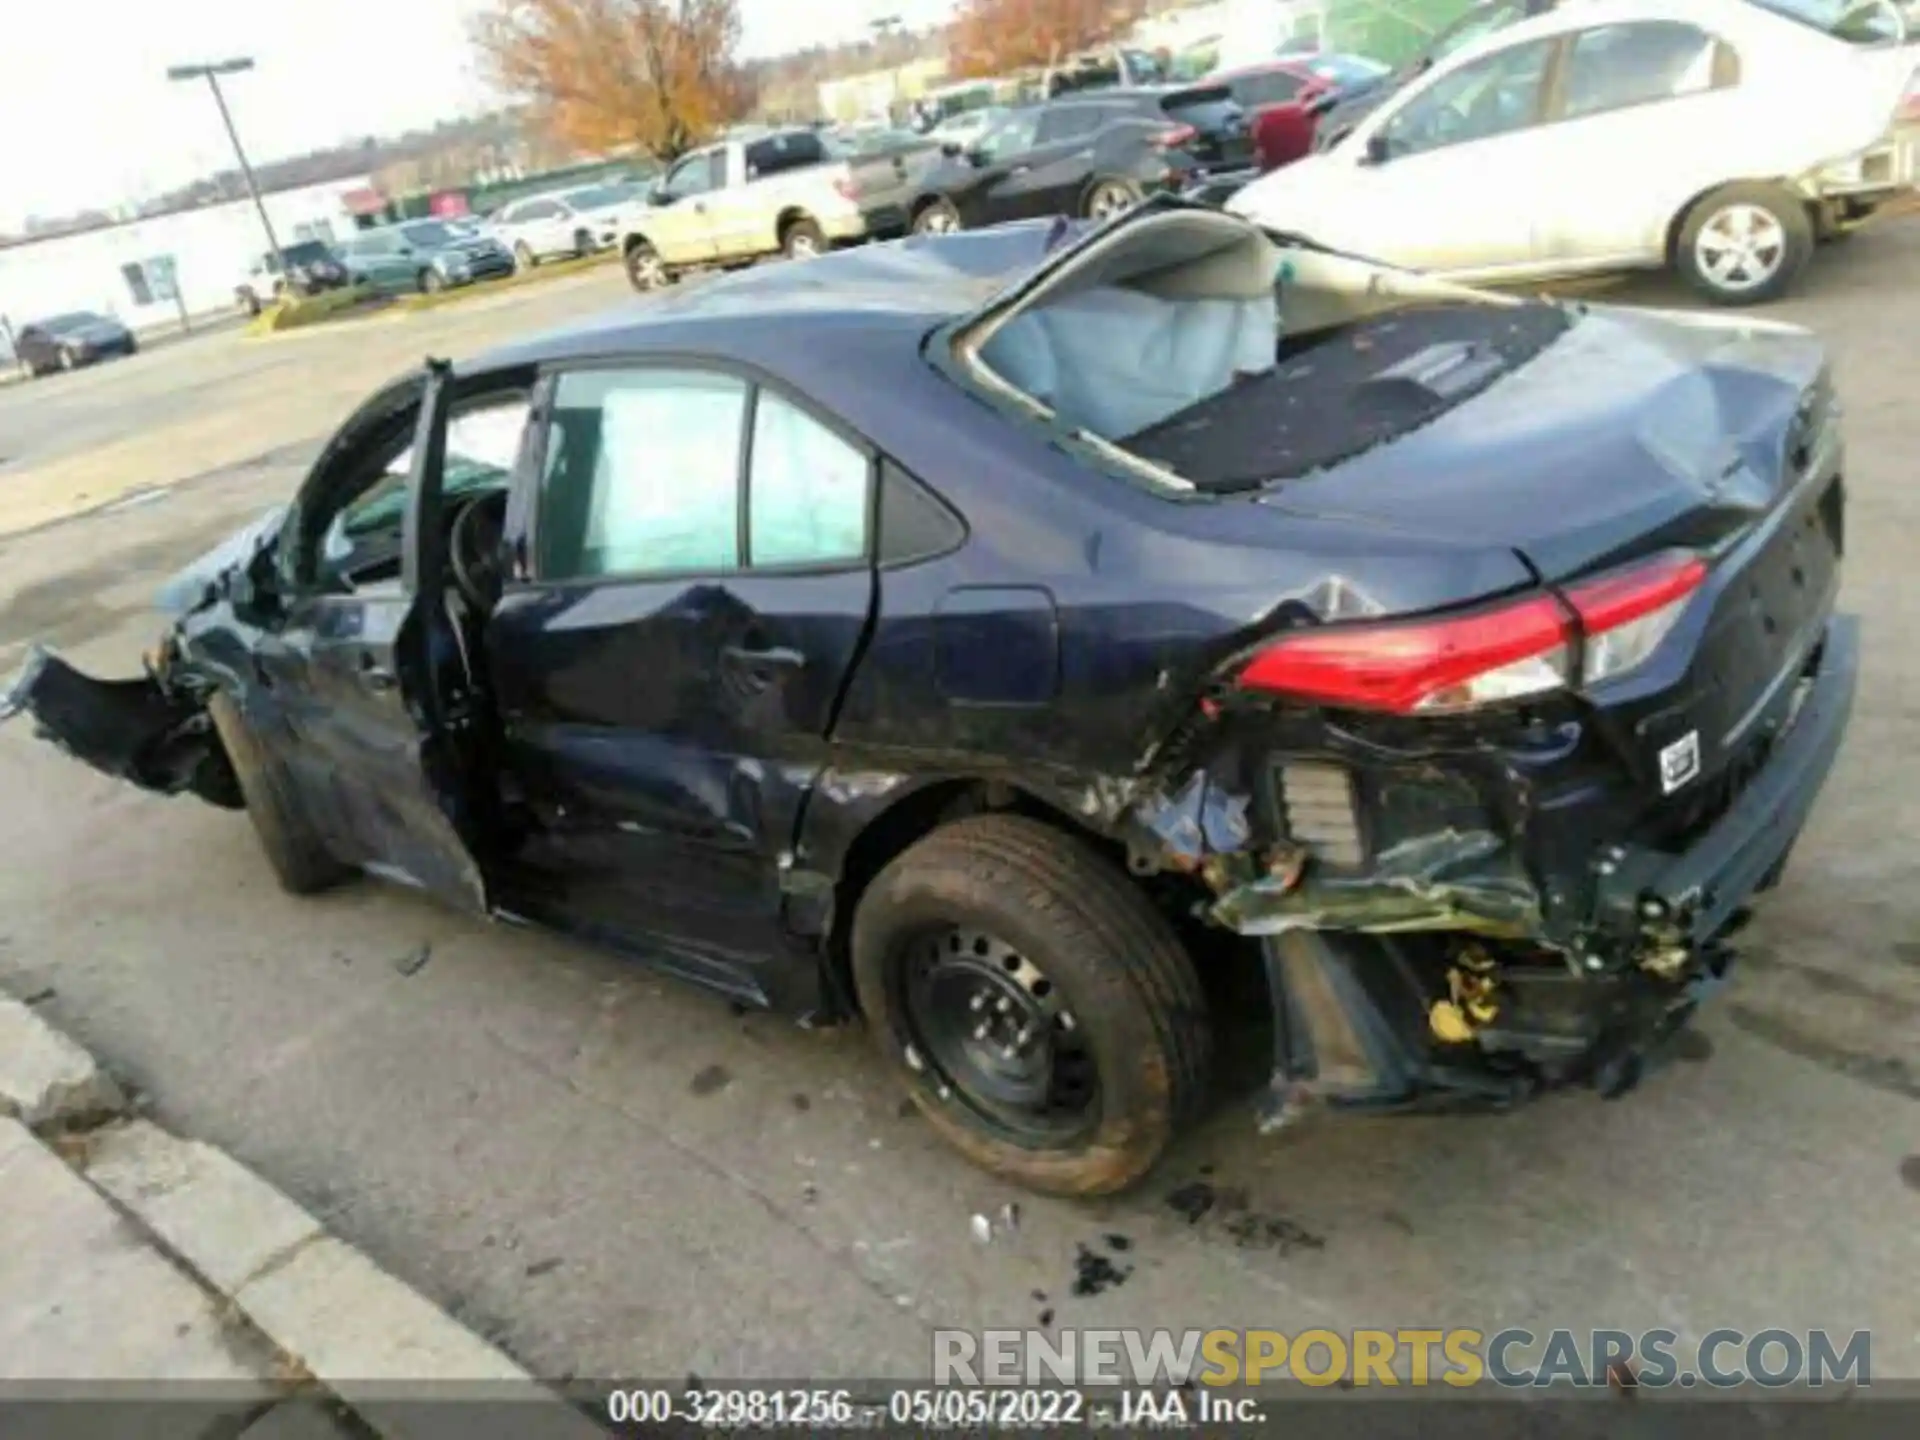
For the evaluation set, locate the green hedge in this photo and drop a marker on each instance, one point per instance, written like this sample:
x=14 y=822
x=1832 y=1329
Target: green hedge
x=1391 y=33
x=552 y=270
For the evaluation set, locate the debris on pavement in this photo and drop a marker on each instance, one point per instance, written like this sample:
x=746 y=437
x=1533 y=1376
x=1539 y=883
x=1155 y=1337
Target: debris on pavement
x=1192 y=1202
x=414 y=961
x=982 y=1230
x=1095 y=1274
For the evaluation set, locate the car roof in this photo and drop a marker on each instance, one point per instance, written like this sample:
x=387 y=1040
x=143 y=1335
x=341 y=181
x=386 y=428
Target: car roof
x=786 y=318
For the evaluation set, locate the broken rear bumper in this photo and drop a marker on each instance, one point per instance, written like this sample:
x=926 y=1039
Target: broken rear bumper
x=1358 y=1019
x=1697 y=894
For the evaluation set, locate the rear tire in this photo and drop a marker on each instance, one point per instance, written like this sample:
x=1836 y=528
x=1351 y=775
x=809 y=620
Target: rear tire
x=646 y=271
x=803 y=240
x=524 y=257
x=301 y=862
x=1744 y=244
x=937 y=218
x=1109 y=198
x=1105 y=984
x=429 y=282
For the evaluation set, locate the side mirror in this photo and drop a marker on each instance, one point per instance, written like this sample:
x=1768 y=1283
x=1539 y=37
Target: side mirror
x=1378 y=150
x=657 y=195
x=977 y=157
x=953 y=149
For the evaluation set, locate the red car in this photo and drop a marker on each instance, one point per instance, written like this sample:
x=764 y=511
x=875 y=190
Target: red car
x=1285 y=98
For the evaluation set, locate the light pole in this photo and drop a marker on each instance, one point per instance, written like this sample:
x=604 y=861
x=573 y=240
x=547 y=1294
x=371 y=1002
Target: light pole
x=212 y=73
x=884 y=27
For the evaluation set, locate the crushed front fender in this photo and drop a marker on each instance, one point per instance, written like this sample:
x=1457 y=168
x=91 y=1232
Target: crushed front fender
x=134 y=730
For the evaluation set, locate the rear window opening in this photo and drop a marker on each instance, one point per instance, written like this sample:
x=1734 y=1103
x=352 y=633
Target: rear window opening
x=1206 y=355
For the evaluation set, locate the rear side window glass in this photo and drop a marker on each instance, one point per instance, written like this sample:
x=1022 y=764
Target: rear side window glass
x=784 y=152
x=807 y=490
x=642 y=474
x=1615 y=66
x=1069 y=122
x=914 y=525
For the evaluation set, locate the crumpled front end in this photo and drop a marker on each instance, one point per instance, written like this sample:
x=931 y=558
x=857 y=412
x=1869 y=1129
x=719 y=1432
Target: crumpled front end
x=153 y=732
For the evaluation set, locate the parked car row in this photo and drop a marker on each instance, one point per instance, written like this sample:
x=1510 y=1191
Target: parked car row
x=1086 y=153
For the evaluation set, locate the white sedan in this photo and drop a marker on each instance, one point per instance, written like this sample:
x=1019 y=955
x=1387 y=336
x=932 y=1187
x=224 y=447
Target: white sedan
x=567 y=222
x=1721 y=137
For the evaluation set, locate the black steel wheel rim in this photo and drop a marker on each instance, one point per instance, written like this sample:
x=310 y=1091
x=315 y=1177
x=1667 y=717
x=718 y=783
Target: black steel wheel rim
x=986 y=1028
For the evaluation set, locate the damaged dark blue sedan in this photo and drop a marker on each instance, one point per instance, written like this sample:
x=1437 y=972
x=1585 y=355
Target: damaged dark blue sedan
x=1014 y=637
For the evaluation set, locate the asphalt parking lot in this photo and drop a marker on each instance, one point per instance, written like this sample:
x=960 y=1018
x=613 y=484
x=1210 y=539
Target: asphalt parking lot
x=615 y=1177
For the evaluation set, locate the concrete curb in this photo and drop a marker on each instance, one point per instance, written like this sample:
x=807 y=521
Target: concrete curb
x=46 y=1079
x=371 y=1340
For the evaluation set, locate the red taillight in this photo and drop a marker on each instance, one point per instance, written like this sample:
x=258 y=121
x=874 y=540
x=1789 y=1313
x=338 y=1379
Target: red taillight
x=1508 y=652
x=1623 y=617
x=1174 y=138
x=1633 y=594
x=1432 y=666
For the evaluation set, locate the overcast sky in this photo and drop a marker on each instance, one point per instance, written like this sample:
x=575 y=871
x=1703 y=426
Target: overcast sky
x=91 y=120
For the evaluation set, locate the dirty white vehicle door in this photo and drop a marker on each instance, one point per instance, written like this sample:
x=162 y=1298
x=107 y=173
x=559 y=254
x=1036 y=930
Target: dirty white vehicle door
x=1629 y=92
x=1448 y=176
x=680 y=226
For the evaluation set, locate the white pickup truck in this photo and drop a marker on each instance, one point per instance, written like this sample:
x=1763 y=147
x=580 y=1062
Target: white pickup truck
x=785 y=192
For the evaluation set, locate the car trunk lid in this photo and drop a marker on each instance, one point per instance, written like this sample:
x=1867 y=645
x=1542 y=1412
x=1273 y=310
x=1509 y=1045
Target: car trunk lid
x=1628 y=434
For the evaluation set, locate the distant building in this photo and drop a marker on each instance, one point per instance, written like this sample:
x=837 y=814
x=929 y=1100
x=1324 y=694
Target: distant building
x=123 y=270
x=877 y=92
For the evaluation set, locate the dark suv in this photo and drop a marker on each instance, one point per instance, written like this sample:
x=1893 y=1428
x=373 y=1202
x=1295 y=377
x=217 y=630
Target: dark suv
x=1091 y=154
x=311 y=267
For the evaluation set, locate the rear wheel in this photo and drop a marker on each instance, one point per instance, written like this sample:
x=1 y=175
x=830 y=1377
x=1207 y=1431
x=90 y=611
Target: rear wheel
x=803 y=240
x=646 y=271
x=938 y=218
x=524 y=257
x=1110 y=198
x=68 y=360
x=1745 y=244
x=293 y=848
x=1043 y=1014
x=582 y=244
x=247 y=302
x=429 y=282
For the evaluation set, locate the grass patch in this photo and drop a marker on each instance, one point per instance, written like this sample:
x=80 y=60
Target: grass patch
x=302 y=310
x=552 y=270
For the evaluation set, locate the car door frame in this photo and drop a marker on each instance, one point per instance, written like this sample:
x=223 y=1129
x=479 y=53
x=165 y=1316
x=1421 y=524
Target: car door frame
x=430 y=825
x=788 y=975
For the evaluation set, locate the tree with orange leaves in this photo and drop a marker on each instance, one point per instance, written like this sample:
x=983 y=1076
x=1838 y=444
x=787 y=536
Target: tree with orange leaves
x=604 y=74
x=996 y=36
